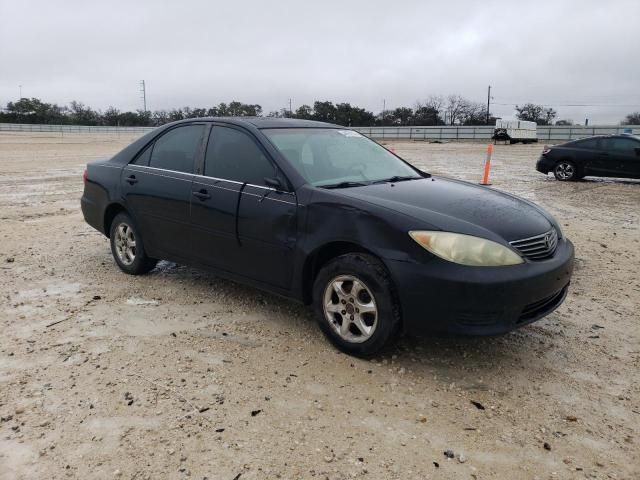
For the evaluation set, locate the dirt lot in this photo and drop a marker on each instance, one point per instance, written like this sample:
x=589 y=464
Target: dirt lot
x=180 y=374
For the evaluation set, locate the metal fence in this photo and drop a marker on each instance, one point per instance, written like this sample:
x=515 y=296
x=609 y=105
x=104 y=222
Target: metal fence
x=62 y=129
x=480 y=133
x=550 y=134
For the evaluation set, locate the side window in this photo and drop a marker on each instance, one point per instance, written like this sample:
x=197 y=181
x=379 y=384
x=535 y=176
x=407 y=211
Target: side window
x=233 y=155
x=177 y=149
x=623 y=145
x=590 y=144
x=143 y=158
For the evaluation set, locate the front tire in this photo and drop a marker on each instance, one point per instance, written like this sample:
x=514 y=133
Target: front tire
x=127 y=247
x=566 y=171
x=356 y=304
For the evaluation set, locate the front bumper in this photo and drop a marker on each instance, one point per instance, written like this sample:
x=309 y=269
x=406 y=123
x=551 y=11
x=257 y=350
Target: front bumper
x=445 y=297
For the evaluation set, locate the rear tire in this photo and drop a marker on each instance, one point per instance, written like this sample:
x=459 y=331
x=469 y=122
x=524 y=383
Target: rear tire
x=356 y=305
x=566 y=171
x=127 y=246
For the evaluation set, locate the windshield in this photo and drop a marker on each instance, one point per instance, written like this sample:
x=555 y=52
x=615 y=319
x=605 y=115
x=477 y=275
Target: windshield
x=331 y=157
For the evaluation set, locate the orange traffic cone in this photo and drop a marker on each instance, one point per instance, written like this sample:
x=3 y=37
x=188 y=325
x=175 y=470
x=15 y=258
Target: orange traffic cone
x=487 y=166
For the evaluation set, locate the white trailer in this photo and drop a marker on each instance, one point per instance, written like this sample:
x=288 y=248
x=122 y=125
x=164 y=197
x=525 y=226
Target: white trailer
x=514 y=131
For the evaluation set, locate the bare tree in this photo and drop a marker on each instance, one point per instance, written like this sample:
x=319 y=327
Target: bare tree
x=428 y=112
x=535 y=113
x=473 y=113
x=632 y=119
x=455 y=109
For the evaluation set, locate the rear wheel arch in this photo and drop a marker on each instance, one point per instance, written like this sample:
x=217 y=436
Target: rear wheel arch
x=565 y=158
x=109 y=214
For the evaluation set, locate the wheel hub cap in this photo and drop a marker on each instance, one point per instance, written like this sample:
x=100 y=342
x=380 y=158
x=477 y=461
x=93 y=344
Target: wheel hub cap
x=350 y=309
x=125 y=243
x=564 y=170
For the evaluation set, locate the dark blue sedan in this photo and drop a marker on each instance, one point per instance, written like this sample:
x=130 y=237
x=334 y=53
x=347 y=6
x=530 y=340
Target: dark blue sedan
x=326 y=216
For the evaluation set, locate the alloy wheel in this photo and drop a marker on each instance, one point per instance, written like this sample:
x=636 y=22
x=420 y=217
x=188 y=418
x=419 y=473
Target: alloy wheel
x=125 y=243
x=565 y=170
x=350 y=308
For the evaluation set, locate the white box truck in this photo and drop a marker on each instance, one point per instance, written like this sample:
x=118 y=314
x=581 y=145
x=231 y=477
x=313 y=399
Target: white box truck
x=514 y=131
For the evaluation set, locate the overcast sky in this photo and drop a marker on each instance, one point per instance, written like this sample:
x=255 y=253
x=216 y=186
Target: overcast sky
x=200 y=53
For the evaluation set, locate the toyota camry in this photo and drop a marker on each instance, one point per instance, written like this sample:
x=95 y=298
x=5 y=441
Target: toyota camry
x=323 y=215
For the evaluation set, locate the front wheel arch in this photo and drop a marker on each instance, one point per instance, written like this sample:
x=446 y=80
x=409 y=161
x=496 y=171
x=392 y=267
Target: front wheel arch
x=320 y=257
x=373 y=275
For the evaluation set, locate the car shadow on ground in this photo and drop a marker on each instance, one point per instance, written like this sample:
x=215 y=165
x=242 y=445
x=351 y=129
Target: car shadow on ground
x=455 y=357
x=610 y=180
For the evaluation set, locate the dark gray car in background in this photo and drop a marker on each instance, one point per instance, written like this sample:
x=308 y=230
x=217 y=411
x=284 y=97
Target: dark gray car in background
x=600 y=156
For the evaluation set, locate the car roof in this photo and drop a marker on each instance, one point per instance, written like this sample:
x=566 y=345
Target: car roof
x=264 y=122
x=612 y=135
x=250 y=123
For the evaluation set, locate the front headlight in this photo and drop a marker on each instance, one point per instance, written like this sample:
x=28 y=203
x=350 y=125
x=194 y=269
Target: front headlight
x=466 y=249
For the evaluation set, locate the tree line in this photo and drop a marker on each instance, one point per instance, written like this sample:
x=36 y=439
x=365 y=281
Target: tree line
x=435 y=110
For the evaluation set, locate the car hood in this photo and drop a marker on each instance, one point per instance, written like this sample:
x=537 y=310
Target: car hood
x=457 y=206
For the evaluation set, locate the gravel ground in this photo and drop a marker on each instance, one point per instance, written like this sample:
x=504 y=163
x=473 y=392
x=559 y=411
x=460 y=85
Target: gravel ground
x=181 y=374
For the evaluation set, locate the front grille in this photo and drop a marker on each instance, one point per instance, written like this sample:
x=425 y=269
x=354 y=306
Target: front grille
x=539 y=247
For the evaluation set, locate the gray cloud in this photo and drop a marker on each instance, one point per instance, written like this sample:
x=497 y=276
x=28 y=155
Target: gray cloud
x=199 y=53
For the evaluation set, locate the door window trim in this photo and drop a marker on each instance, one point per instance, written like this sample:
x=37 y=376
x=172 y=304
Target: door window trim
x=133 y=166
x=276 y=169
x=622 y=152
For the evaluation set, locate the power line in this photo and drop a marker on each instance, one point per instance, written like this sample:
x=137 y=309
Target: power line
x=606 y=105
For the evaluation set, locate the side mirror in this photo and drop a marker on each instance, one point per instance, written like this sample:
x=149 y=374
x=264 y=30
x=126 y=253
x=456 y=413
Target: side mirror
x=273 y=182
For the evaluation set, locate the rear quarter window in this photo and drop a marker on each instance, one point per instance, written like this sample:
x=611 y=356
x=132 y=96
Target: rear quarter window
x=589 y=143
x=143 y=158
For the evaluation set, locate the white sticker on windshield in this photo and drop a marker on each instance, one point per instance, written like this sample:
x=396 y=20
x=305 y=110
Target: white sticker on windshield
x=348 y=133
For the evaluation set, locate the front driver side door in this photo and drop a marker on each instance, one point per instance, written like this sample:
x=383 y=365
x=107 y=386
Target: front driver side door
x=239 y=223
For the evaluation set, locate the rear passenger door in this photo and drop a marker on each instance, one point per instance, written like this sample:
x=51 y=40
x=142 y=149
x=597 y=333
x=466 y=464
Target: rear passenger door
x=156 y=187
x=240 y=224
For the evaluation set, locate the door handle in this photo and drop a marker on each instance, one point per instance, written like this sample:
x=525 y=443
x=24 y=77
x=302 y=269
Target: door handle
x=131 y=179
x=202 y=194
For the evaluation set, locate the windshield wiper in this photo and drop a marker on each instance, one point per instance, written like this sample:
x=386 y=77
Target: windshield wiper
x=344 y=185
x=397 y=178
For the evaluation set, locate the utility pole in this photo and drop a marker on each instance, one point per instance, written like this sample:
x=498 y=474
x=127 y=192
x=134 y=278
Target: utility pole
x=143 y=88
x=488 y=103
x=20 y=87
x=290 y=110
x=384 y=109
